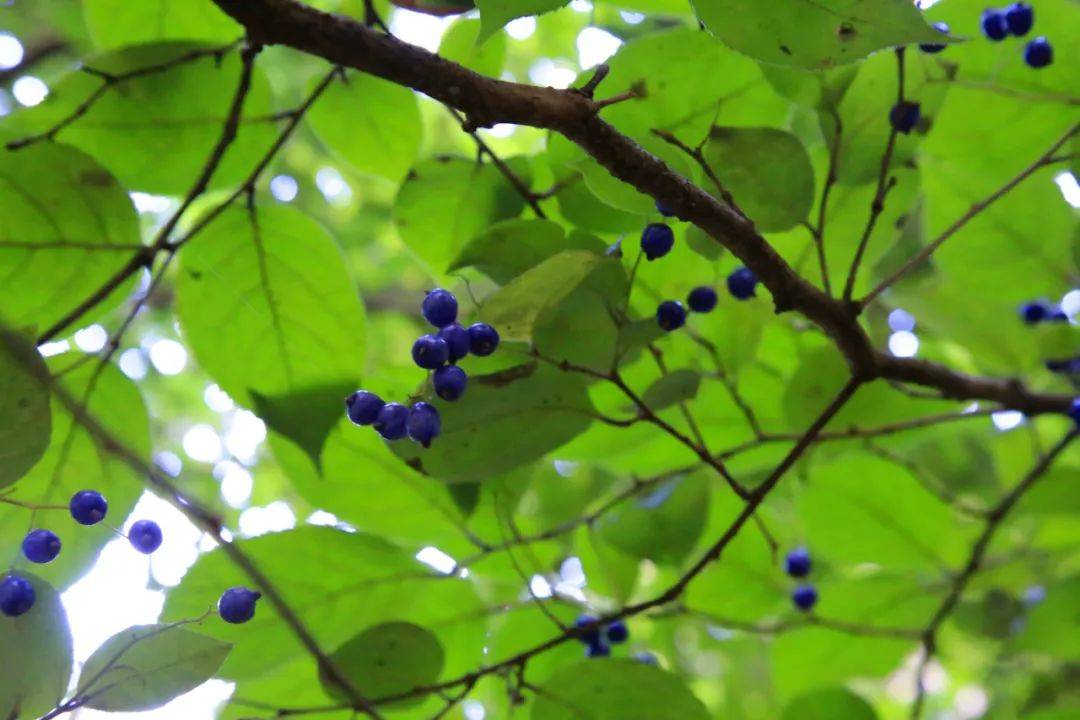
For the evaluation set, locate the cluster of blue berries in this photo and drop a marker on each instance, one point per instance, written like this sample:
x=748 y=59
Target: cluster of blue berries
x=997 y=24
x=89 y=507
x=656 y=241
x=598 y=640
x=433 y=351
x=1017 y=20
x=798 y=564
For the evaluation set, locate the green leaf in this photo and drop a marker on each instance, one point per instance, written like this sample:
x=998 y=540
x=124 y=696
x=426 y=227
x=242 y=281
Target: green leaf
x=767 y=171
x=496 y=13
x=116 y=23
x=388 y=659
x=66 y=227
x=146 y=666
x=828 y=704
x=462 y=44
x=814 y=34
x=345 y=582
x=295 y=326
x=36 y=648
x=25 y=420
x=664 y=525
x=616 y=690
x=75 y=461
x=306 y=417
x=509 y=248
x=372 y=124
x=155 y=131
x=444 y=203
x=515 y=308
x=671 y=389
x=537 y=409
x=363 y=483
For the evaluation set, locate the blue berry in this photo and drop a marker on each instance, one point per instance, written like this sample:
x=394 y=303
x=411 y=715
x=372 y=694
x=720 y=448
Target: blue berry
x=657 y=240
x=598 y=649
x=363 y=407
x=590 y=636
x=1038 y=53
x=450 y=382
x=41 y=546
x=430 y=352
x=702 y=299
x=483 y=339
x=804 y=597
x=1074 y=410
x=1058 y=314
x=1034 y=312
x=671 y=315
x=932 y=48
x=664 y=209
x=797 y=563
x=457 y=340
x=1019 y=17
x=237 y=605
x=88 y=507
x=439 y=307
x=423 y=424
x=647 y=658
x=145 y=536
x=904 y=116
x=1067 y=366
x=993 y=24
x=391 y=421
x=741 y=283
x=617 y=632
x=17 y=595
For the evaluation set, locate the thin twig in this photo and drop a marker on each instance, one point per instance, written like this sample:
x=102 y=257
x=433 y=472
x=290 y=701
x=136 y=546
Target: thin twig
x=1045 y=159
x=884 y=184
x=995 y=517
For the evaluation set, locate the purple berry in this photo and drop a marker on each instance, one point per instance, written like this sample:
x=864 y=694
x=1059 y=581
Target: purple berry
x=363 y=407
x=1038 y=53
x=391 y=421
x=993 y=24
x=657 y=240
x=804 y=597
x=671 y=315
x=145 y=536
x=41 y=546
x=904 y=116
x=423 y=424
x=237 y=605
x=741 y=283
x=450 y=382
x=439 y=307
x=702 y=299
x=430 y=352
x=797 y=563
x=457 y=340
x=88 y=507
x=483 y=339
x=1019 y=17
x=17 y=595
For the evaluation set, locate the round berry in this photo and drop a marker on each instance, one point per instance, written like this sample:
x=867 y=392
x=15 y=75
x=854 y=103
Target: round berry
x=1034 y=312
x=450 y=382
x=664 y=209
x=590 y=636
x=237 y=605
x=932 y=48
x=424 y=423
x=904 y=116
x=88 y=507
x=391 y=421
x=439 y=307
x=41 y=546
x=17 y=595
x=1019 y=17
x=657 y=240
x=430 y=352
x=647 y=658
x=483 y=339
x=617 y=632
x=741 y=283
x=993 y=24
x=702 y=299
x=797 y=563
x=363 y=407
x=457 y=340
x=1074 y=410
x=1038 y=53
x=671 y=315
x=598 y=649
x=804 y=597
x=145 y=536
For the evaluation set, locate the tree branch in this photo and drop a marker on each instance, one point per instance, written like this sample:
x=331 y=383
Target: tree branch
x=486 y=101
